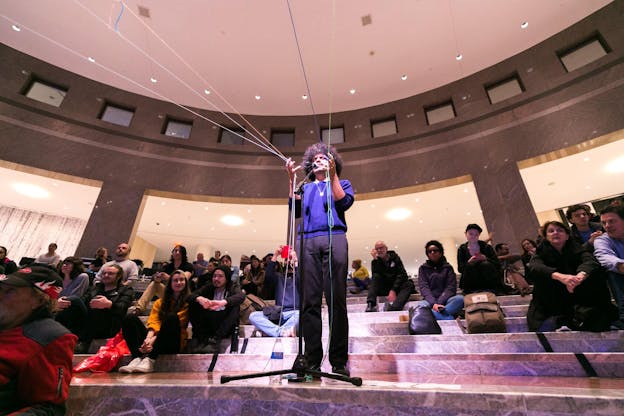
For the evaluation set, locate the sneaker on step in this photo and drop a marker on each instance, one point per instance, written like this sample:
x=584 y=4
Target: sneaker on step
x=355 y=290
x=371 y=307
x=145 y=366
x=563 y=328
x=342 y=370
x=131 y=367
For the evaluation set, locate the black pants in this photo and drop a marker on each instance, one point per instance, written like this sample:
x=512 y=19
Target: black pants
x=381 y=287
x=167 y=340
x=212 y=324
x=482 y=276
x=87 y=323
x=316 y=281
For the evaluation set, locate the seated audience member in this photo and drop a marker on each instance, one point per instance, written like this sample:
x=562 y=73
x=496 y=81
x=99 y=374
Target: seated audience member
x=389 y=279
x=36 y=352
x=583 y=231
x=437 y=283
x=226 y=261
x=166 y=327
x=609 y=250
x=529 y=247
x=200 y=264
x=7 y=265
x=178 y=261
x=207 y=276
x=50 y=258
x=253 y=278
x=213 y=311
x=360 y=277
x=479 y=267
x=130 y=268
x=570 y=289
x=75 y=284
x=102 y=311
x=513 y=269
x=282 y=320
x=101 y=257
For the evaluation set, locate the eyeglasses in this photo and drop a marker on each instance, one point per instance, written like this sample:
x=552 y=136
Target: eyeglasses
x=433 y=250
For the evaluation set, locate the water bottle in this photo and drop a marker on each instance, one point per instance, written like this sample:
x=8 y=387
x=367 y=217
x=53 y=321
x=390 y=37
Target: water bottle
x=277 y=361
x=234 y=344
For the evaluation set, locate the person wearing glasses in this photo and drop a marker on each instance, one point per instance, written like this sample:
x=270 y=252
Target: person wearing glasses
x=437 y=284
x=389 y=279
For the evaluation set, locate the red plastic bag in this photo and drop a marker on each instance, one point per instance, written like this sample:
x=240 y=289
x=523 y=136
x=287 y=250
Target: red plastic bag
x=106 y=358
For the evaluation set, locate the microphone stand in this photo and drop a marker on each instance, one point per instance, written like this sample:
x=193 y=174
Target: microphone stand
x=300 y=366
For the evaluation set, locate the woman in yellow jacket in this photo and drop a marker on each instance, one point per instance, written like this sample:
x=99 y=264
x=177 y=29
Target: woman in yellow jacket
x=166 y=327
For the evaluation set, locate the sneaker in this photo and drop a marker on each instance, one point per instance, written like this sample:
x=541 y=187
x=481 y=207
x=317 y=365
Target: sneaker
x=342 y=370
x=371 y=307
x=355 y=290
x=563 y=328
x=145 y=366
x=131 y=367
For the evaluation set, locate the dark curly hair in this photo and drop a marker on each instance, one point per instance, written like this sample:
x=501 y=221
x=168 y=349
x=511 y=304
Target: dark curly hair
x=317 y=148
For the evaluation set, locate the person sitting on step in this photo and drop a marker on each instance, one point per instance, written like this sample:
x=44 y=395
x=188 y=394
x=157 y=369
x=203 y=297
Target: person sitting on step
x=389 y=279
x=361 y=277
x=437 y=284
x=213 y=311
x=479 y=267
x=166 y=330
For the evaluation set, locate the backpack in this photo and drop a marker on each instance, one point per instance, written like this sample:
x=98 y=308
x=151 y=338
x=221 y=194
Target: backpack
x=252 y=303
x=422 y=321
x=483 y=313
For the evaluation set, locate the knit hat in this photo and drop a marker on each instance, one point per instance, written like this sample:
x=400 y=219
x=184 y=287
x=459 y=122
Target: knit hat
x=41 y=277
x=474 y=227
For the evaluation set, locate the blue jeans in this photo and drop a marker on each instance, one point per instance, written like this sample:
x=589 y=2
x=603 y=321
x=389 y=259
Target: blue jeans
x=616 y=283
x=260 y=321
x=453 y=305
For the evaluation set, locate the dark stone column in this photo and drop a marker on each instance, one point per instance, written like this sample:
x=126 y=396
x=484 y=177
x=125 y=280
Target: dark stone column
x=112 y=221
x=506 y=206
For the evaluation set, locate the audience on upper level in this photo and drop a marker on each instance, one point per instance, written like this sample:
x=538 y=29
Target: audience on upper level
x=570 y=291
x=200 y=264
x=529 y=248
x=50 y=258
x=609 y=250
x=479 y=267
x=166 y=327
x=389 y=279
x=226 y=261
x=213 y=311
x=513 y=269
x=122 y=258
x=437 y=283
x=7 y=266
x=583 y=231
x=101 y=257
x=254 y=278
x=360 y=277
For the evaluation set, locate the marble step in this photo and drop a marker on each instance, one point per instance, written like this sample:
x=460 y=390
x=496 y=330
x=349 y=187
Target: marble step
x=503 y=300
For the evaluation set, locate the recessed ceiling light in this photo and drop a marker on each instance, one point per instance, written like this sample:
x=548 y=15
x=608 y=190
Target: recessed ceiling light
x=207 y=91
x=90 y=59
x=30 y=190
x=16 y=28
x=615 y=166
x=154 y=80
x=524 y=25
x=352 y=91
x=232 y=220
x=398 y=214
x=304 y=97
x=586 y=159
x=459 y=57
x=257 y=97
x=403 y=77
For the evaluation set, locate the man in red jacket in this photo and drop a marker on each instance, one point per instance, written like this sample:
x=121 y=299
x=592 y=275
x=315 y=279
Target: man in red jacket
x=36 y=353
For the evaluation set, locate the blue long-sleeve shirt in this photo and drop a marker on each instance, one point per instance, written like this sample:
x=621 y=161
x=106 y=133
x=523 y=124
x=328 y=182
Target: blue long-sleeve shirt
x=286 y=290
x=315 y=217
x=609 y=252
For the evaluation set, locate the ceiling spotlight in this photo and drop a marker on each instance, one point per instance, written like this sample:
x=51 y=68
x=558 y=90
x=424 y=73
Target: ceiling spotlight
x=207 y=92
x=90 y=59
x=615 y=166
x=459 y=57
x=231 y=220
x=16 y=28
x=524 y=25
x=29 y=190
x=154 y=80
x=398 y=214
x=352 y=91
x=304 y=97
x=403 y=77
x=257 y=97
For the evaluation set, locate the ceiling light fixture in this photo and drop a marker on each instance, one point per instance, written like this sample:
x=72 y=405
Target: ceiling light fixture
x=615 y=166
x=16 y=28
x=304 y=97
x=257 y=97
x=352 y=91
x=207 y=91
x=154 y=80
x=30 y=190
x=232 y=220
x=403 y=77
x=459 y=57
x=398 y=214
x=90 y=59
x=524 y=25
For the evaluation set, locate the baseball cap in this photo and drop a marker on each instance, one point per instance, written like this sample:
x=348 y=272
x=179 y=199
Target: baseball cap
x=41 y=277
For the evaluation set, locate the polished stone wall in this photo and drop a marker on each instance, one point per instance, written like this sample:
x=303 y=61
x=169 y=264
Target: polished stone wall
x=558 y=110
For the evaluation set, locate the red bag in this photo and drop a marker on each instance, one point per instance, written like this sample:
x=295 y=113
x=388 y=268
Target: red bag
x=106 y=358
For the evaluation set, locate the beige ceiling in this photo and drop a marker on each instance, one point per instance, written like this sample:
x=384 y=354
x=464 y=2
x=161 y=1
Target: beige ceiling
x=243 y=48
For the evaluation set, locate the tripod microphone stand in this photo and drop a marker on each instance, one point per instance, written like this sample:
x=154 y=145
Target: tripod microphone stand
x=300 y=366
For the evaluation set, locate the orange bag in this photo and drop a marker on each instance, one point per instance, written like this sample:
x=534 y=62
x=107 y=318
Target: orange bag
x=106 y=358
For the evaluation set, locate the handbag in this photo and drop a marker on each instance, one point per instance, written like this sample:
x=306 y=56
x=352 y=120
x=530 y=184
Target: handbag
x=422 y=321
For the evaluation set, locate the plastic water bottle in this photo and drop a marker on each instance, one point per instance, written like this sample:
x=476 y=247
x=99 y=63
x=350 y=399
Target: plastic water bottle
x=277 y=361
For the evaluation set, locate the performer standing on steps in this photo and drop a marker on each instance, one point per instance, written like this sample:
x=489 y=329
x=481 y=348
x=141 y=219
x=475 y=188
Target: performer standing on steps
x=325 y=253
